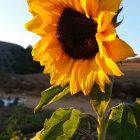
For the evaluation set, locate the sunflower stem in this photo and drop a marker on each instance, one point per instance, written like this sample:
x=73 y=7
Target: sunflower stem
x=102 y=128
x=99 y=101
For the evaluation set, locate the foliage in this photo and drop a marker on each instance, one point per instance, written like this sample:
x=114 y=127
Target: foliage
x=100 y=100
x=55 y=128
x=10 y=133
x=24 y=115
x=87 y=125
x=32 y=118
x=124 y=121
x=61 y=125
x=51 y=95
x=20 y=116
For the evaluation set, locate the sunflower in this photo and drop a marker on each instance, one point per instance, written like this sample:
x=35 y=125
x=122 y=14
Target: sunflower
x=79 y=45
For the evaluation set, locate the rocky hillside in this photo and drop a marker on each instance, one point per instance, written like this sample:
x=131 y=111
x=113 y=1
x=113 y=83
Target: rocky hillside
x=16 y=59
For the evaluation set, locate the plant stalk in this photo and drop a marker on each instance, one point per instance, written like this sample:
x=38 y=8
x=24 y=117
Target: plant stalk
x=91 y=117
x=84 y=134
x=102 y=129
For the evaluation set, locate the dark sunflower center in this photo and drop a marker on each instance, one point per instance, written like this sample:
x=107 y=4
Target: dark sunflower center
x=76 y=33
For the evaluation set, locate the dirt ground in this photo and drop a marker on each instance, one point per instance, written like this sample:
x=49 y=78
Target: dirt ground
x=30 y=82
x=78 y=102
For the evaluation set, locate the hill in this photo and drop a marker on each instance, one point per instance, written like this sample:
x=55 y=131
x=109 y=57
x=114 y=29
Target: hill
x=133 y=60
x=15 y=59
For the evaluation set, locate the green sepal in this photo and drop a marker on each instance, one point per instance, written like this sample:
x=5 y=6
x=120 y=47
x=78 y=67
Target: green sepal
x=117 y=23
x=114 y=20
x=124 y=122
x=100 y=100
x=51 y=95
x=61 y=125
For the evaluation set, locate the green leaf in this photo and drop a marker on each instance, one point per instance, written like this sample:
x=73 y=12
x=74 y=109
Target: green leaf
x=100 y=100
x=51 y=95
x=124 y=122
x=62 y=124
x=71 y=124
x=61 y=138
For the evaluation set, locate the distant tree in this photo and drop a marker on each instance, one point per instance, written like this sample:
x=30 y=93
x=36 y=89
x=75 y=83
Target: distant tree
x=29 y=47
x=16 y=59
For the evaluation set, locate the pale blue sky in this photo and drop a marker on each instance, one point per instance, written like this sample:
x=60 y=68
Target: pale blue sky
x=14 y=14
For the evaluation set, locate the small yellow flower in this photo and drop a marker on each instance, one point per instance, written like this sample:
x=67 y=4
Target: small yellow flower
x=79 y=43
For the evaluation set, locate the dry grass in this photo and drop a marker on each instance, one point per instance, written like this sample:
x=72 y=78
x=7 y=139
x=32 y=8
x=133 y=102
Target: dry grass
x=33 y=84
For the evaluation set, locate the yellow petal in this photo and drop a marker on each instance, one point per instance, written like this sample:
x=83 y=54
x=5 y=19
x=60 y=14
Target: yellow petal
x=36 y=6
x=54 y=52
x=82 y=75
x=72 y=3
x=46 y=11
x=119 y=50
x=101 y=79
x=100 y=45
x=68 y=3
x=49 y=25
x=51 y=18
x=38 y=24
x=64 y=63
x=92 y=7
x=56 y=77
x=48 y=65
x=32 y=12
x=83 y=4
x=40 y=6
x=108 y=65
x=46 y=48
x=61 y=68
x=87 y=75
x=104 y=20
x=50 y=29
x=109 y=5
x=40 y=47
x=34 y=26
x=78 y=6
x=74 y=84
x=108 y=35
x=66 y=79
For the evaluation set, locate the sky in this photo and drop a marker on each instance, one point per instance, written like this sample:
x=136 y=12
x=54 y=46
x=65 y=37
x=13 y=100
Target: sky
x=14 y=14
